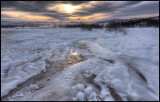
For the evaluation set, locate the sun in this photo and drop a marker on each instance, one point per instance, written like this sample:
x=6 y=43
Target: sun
x=64 y=8
x=69 y=8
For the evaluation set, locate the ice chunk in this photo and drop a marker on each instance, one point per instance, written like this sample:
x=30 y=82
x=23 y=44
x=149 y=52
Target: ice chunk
x=80 y=96
x=79 y=87
x=88 y=90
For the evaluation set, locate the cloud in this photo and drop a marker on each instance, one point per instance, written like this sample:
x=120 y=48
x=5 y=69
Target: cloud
x=84 y=9
x=142 y=8
x=28 y=16
x=35 y=6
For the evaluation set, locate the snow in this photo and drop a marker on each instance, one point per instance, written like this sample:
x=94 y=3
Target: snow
x=88 y=90
x=79 y=87
x=80 y=96
x=100 y=51
x=24 y=51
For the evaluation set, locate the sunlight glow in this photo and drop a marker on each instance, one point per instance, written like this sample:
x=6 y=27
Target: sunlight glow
x=64 y=8
x=69 y=8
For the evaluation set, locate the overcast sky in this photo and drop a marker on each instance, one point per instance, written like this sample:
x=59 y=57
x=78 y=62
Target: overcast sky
x=66 y=11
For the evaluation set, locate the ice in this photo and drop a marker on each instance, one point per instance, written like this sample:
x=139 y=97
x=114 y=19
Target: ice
x=101 y=51
x=134 y=75
x=88 y=90
x=80 y=96
x=79 y=87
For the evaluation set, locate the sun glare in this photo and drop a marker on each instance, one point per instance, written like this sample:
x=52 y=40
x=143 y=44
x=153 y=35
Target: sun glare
x=69 y=8
x=64 y=8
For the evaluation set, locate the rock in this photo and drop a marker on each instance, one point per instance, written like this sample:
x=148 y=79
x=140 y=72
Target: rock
x=73 y=59
x=82 y=46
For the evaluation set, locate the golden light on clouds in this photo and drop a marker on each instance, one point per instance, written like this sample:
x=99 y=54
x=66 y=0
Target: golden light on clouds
x=72 y=11
x=90 y=18
x=27 y=16
x=64 y=8
x=60 y=8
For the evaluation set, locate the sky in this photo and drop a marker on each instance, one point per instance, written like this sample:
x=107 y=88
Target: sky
x=76 y=11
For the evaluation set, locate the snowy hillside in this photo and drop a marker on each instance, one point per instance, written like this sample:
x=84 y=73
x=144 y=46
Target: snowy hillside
x=71 y=64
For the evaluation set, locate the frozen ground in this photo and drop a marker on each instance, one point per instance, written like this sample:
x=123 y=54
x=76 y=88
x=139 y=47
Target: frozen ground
x=70 y=64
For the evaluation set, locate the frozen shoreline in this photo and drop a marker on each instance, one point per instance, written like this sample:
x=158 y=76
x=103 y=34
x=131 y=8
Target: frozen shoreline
x=139 y=48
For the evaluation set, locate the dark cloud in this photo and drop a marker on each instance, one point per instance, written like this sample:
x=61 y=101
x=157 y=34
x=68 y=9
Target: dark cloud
x=73 y=2
x=58 y=16
x=96 y=8
x=106 y=7
x=124 y=7
x=28 y=6
x=129 y=3
x=149 y=8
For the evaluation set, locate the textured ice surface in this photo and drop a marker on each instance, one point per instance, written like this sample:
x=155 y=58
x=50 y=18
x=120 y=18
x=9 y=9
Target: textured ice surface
x=134 y=75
